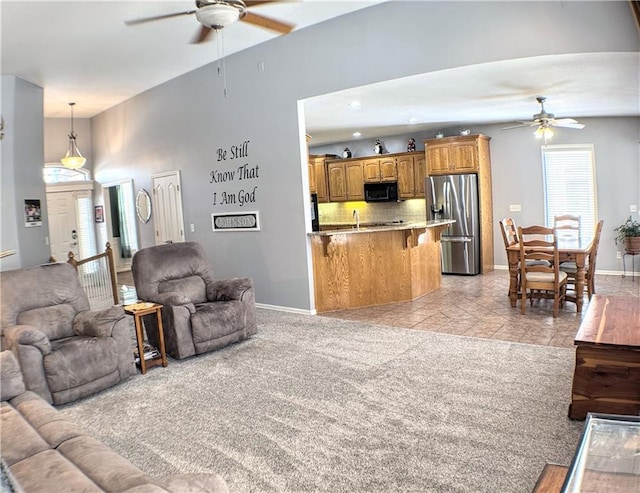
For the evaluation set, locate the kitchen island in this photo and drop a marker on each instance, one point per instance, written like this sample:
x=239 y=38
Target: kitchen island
x=374 y=265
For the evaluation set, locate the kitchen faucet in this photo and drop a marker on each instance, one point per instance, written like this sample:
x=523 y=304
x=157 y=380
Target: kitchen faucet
x=356 y=215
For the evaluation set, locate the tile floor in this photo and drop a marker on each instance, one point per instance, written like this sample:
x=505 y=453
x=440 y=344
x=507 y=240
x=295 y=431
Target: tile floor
x=478 y=306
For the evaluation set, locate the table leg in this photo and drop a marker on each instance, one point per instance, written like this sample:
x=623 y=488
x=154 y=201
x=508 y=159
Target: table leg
x=512 y=258
x=163 y=352
x=140 y=340
x=580 y=261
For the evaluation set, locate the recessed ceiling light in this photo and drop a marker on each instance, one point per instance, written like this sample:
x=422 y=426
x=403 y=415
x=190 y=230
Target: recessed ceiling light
x=355 y=105
x=357 y=134
x=413 y=119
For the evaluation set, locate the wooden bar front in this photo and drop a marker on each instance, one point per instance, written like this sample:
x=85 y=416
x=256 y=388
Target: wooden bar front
x=607 y=373
x=374 y=267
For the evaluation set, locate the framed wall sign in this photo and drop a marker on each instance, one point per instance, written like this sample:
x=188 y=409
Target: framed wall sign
x=99 y=213
x=236 y=221
x=32 y=213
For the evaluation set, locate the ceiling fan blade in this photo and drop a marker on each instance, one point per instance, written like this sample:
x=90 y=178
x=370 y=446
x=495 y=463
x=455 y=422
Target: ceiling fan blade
x=564 y=120
x=576 y=125
x=520 y=125
x=253 y=3
x=204 y=33
x=142 y=20
x=267 y=23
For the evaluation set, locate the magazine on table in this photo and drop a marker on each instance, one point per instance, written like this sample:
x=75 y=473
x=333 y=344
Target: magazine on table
x=149 y=353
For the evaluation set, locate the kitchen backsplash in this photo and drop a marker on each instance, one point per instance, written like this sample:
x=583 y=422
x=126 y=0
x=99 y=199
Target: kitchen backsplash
x=342 y=212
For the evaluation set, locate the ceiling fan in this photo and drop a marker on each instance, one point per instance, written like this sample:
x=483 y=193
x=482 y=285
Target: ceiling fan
x=544 y=121
x=218 y=14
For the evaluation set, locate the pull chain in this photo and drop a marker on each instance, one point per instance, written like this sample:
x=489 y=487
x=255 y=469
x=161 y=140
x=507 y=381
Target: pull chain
x=221 y=60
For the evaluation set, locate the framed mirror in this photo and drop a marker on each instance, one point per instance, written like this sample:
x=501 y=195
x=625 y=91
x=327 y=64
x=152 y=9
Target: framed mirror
x=143 y=205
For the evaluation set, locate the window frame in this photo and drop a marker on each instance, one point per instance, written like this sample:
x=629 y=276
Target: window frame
x=550 y=210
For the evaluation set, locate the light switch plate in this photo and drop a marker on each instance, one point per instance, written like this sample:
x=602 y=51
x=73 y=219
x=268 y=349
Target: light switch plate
x=515 y=208
x=633 y=208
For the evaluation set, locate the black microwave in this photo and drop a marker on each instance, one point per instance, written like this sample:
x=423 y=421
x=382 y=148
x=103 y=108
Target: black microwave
x=381 y=192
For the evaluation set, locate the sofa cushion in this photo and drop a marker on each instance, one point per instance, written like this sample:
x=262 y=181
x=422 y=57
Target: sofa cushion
x=106 y=468
x=44 y=418
x=54 y=321
x=18 y=439
x=51 y=472
x=11 y=383
x=76 y=361
x=193 y=287
x=216 y=319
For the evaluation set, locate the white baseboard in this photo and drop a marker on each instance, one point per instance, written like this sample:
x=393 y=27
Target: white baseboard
x=287 y=309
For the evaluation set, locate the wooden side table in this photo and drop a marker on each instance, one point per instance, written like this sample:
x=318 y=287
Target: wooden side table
x=551 y=479
x=139 y=310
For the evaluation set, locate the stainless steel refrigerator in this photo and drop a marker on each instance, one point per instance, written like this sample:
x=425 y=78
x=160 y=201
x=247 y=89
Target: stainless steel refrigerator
x=456 y=197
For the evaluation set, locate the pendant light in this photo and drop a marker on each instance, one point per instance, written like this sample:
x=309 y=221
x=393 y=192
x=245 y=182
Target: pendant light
x=73 y=159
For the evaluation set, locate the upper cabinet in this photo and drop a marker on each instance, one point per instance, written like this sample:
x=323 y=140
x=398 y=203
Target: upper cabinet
x=346 y=180
x=378 y=170
x=318 y=181
x=450 y=155
x=411 y=173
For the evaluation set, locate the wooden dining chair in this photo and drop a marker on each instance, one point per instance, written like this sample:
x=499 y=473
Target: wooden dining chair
x=567 y=225
x=571 y=269
x=540 y=279
x=509 y=232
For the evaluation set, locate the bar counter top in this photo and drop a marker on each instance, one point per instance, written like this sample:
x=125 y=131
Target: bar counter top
x=365 y=228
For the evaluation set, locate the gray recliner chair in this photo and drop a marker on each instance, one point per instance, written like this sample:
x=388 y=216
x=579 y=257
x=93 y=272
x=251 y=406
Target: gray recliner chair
x=199 y=313
x=66 y=350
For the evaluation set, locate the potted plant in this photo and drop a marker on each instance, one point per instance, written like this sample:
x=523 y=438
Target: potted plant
x=628 y=234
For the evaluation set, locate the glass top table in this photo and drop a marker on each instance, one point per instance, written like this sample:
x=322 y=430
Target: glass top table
x=608 y=456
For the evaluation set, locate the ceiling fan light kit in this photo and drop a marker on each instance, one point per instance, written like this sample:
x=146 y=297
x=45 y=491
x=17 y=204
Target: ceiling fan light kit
x=219 y=15
x=73 y=159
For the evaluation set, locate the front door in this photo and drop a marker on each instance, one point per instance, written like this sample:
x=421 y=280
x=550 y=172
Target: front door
x=168 y=220
x=63 y=225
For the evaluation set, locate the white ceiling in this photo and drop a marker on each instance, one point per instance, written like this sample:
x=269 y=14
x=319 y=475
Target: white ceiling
x=82 y=51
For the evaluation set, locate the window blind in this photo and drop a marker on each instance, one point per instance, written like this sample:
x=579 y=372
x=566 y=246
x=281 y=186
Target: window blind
x=569 y=184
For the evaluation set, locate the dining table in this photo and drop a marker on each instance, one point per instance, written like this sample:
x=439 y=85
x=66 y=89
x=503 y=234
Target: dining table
x=571 y=248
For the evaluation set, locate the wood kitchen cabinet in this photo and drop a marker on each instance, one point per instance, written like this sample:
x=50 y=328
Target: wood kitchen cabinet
x=379 y=170
x=467 y=154
x=346 y=180
x=318 y=181
x=411 y=175
x=449 y=155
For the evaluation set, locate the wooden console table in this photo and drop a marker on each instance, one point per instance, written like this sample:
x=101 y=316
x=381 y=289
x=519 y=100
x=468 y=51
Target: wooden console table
x=139 y=310
x=607 y=373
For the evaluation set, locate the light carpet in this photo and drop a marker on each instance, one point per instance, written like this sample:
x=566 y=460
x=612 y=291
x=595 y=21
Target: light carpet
x=320 y=404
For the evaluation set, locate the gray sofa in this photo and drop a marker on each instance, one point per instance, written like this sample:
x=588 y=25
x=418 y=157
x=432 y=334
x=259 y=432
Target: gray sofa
x=199 y=313
x=43 y=452
x=66 y=350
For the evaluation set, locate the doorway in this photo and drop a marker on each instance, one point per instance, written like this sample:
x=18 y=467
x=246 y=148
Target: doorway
x=120 y=221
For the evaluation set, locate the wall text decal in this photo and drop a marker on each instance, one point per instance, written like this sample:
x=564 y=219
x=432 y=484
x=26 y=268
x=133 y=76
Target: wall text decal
x=234 y=177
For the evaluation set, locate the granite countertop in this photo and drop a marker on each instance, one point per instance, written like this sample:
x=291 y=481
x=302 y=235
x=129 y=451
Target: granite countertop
x=364 y=228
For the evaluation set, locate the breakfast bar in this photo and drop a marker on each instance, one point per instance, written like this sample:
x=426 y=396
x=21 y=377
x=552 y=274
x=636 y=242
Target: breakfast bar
x=365 y=266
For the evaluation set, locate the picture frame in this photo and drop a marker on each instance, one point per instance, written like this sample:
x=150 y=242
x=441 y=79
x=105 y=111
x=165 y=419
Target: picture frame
x=99 y=213
x=32 y=213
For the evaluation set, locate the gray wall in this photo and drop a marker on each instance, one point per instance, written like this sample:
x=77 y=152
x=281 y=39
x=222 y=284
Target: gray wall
x=181 y=124
x=516 y=162
x=21 y=173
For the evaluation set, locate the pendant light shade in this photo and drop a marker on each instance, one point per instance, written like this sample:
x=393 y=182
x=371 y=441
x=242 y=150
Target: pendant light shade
x=73 y=159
